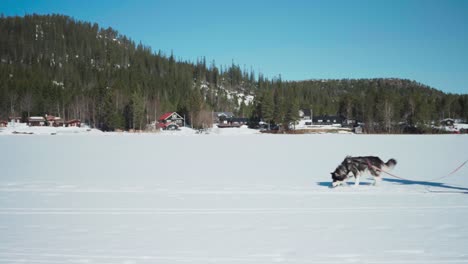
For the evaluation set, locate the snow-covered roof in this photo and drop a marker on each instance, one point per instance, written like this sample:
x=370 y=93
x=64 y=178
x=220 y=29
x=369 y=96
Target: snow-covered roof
x=226 y=114
x=53 y=118
x=167 y=115
x=36 y=118
x=73 y=121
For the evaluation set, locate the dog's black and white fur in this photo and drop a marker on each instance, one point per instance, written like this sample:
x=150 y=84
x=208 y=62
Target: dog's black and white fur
x=359 y=165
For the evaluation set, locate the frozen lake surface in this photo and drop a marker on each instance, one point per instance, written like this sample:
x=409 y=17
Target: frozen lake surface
x=110 y=198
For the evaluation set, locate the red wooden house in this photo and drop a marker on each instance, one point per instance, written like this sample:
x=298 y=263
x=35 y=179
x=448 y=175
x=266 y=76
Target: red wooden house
x=170 y=120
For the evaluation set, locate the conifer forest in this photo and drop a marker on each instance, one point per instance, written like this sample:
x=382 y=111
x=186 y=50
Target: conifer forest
x=56 y=65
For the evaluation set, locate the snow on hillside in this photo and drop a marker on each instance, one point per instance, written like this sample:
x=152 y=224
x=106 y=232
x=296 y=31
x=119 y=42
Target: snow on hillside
x=161 y=198
x=237 y=96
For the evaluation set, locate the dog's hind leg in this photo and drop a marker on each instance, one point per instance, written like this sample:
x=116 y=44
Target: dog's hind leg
x=377 y=178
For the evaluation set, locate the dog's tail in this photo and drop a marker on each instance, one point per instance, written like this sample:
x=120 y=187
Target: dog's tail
x=391 y=163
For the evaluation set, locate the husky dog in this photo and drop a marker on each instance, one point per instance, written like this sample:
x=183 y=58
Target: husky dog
x=357 y=166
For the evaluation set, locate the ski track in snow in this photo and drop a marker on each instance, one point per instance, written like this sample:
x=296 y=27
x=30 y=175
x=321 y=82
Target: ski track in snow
x=272 y=204
x=156 y=211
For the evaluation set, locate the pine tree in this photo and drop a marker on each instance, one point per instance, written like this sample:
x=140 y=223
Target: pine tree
x=138 y=109
x=292 y=114
x=267 y=107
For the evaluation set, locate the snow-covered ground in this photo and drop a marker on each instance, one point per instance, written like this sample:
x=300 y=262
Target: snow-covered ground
x=302 y=124
x=23 y=129
x=203 y=198
x=455 y=128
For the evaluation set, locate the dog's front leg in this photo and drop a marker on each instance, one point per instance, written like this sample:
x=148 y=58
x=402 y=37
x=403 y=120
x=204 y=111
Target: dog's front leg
x=337 y=183
x=356 y=181
x=356 y=177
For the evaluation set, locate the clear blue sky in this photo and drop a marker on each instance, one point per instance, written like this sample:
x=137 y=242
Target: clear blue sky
x=426 y=41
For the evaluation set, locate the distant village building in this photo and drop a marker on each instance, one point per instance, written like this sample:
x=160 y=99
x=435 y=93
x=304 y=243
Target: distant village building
x=305 y=114
x=357 y=130
x=233 y=122
x=227 y=119
x=238 y=120
x=36 y=121
x=14 y=119
x=54 y=121
x=328 y=120
x=350 y=122
x=448 y=122
x=222 y=117
x=170 y=120
x=74 y=123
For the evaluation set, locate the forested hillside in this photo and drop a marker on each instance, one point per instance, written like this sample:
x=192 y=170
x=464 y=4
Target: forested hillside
x=384 y=105
x=56 y=65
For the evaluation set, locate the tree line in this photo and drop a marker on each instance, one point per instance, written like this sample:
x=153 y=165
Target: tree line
x=387 y=105
x=56 y=65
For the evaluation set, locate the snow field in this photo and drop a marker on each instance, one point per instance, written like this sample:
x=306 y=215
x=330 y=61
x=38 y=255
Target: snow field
x=109 y=198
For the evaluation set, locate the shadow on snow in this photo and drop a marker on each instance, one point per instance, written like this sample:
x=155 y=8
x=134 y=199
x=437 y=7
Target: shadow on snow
x=452 y=189
x=429 y=184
